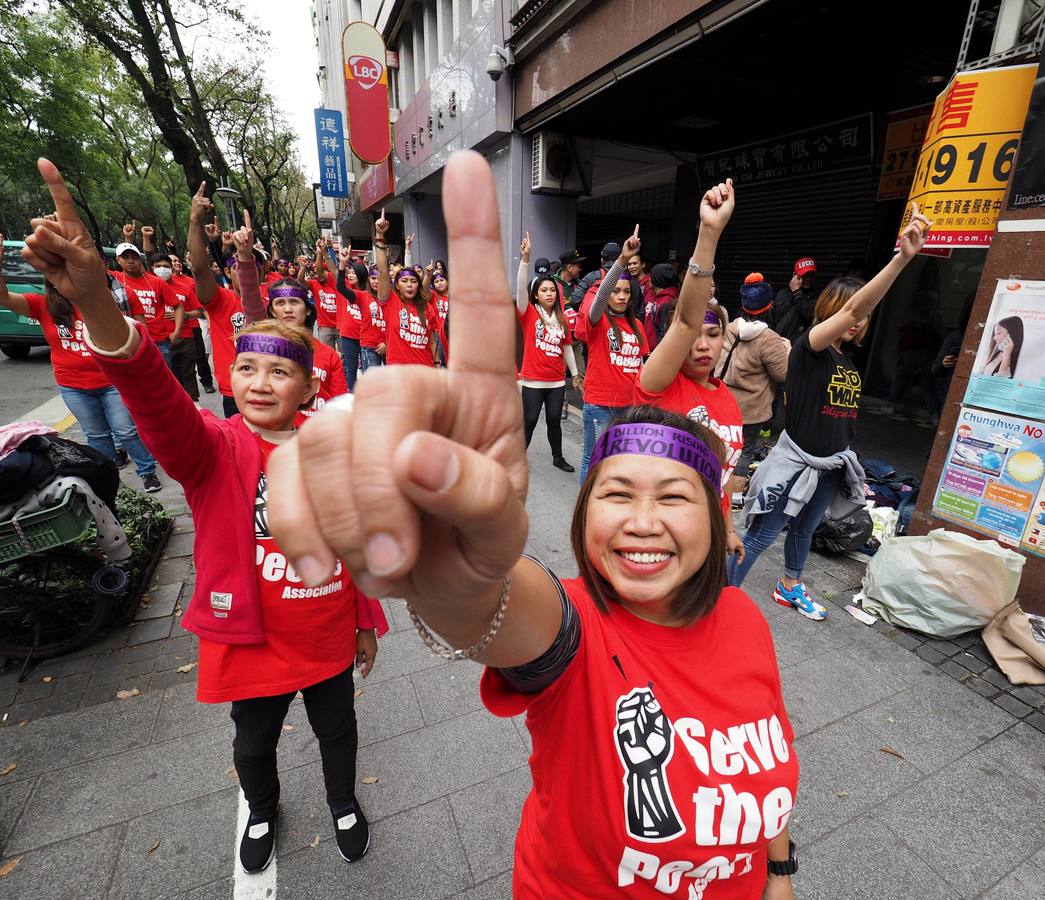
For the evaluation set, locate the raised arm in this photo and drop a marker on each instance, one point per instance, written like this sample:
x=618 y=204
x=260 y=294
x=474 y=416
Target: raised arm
x=858 y=307
x=166 y=417
x=666 y=360
x=384 y=284
x=200 y=213
x=148 y=239
x=434 y=510
x=408 y=250
x=247 y=272
x=522 y=298
x=14 y=302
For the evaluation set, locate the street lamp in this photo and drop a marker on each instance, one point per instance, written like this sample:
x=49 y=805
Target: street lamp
x=228 y=194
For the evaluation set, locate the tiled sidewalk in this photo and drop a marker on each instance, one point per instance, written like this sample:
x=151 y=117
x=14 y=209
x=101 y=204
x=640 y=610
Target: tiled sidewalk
x=912 y=785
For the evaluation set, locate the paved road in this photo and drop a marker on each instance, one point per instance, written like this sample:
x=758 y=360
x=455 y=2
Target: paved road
x=136 y=798
x=24 y=384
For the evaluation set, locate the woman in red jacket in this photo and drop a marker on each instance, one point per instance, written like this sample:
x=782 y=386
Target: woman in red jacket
x=677 y=375
x=615 y=340
x=547 y=354
x=663 y=760
x=264 y=633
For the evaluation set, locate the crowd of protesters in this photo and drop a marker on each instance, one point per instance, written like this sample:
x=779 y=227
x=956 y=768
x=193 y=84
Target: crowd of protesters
x=409 y=481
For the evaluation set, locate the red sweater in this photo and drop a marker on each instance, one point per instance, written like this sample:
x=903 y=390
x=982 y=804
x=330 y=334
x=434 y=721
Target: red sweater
x=218 y=463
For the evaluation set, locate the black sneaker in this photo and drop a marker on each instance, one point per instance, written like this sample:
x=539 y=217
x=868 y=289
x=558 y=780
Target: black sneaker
x=121 y=458
x=561 y=463
x=209 y=388
x=352 y=832
x=151 y=483
x=258 y=844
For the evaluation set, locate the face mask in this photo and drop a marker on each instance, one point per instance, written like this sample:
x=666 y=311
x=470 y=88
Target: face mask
x=165 y=274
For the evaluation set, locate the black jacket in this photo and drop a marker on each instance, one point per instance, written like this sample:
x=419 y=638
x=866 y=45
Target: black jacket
x=793 y=313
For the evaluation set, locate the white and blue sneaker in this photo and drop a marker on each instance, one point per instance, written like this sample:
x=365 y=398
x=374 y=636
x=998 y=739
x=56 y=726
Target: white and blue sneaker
x=800 y=599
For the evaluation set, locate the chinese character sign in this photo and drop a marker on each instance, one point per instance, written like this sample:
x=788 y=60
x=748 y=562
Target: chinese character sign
x=366 y=92
x=330 y=139
x=833 y=147
x=904 y=135
x=966 y=157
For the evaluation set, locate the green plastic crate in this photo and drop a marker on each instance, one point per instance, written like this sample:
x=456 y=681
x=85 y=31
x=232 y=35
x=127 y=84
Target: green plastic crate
x=60 y=524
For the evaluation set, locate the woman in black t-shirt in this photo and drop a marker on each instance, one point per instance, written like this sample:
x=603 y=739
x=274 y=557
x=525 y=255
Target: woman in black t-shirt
x=823 y=397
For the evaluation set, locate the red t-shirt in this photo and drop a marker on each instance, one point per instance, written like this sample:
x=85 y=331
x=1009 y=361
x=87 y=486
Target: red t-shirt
x=310 y=633
x=654 y=305
x=327 y=367
x=442 y=306
x=612 y=367
x=273 y=276
x=408 y=336
x=542 y=347
x=70 y=358
x=324 y=292
x=662 y=761
x=349 y=316
x=372 y=322
x=185 y=290
x=154 y=295
x=227 y=319
x=716 y=409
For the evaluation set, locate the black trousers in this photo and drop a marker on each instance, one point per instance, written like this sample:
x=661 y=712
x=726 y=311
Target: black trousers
x=228 y=406
x=202 y=363
x=551 y=399
x=259 y=722
x=183 y=364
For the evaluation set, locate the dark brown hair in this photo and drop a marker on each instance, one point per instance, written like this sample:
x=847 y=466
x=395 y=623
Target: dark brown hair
x=697 y=596
x=629 y=314
x=58 y=306
x=560 y=316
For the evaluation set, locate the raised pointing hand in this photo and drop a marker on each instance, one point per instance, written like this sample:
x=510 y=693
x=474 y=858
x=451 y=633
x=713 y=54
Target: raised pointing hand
x=420 y=488
x=61 y=248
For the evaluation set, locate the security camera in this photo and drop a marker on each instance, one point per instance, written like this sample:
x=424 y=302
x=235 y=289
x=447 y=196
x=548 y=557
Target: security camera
x=498 y=60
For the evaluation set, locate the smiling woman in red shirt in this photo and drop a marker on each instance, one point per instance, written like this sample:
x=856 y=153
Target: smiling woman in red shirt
x=264 y=635
x=677 y=375
x=616 y=342
x=351 y=283
x=547 y=354
x=412 y=323
x=663 y=759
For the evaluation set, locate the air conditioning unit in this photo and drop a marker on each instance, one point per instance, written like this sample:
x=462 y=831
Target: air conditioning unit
x=561 y=164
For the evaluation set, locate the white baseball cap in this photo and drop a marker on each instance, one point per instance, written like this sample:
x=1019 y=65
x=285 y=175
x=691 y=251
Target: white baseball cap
x=123 y=248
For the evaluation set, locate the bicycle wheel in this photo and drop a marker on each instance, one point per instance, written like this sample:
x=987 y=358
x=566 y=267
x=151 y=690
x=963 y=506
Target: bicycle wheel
x=48 y=605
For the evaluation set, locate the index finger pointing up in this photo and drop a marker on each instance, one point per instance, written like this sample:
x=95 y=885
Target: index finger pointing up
x=246 y=220
x=64 y=205
x=483 y=335
x=636 y=232
x=201 y=190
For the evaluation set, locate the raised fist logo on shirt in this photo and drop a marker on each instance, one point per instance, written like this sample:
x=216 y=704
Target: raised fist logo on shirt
x=261 y=509
x=614 y=343
x=238 y=320
x=645 y=739
x=404 y=319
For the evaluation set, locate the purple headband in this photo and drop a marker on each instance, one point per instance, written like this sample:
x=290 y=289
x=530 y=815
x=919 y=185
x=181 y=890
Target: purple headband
x=274 y=345
x=290 y=290
x=663 y=441
x=710 y=318
x=402 y=273
x=374 y=270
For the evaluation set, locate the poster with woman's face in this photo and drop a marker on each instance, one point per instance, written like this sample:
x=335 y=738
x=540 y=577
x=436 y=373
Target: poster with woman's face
x=1009 y=372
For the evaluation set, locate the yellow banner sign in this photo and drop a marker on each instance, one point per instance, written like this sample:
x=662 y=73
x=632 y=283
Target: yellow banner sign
x=967 y=155
x=904 y=135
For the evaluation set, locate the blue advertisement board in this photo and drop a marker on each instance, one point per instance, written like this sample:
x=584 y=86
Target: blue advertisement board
x=330 y=140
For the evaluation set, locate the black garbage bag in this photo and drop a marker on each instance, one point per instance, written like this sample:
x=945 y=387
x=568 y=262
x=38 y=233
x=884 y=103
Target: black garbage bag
x=78 y=461
x=843 y=535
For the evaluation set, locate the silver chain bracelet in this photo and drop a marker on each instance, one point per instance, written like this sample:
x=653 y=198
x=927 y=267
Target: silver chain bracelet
x=444 y=651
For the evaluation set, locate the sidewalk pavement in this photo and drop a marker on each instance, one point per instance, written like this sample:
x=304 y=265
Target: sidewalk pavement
x=912 y=785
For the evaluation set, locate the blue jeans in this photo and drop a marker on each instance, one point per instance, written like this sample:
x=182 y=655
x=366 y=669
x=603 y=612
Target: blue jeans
x=165 y=352
x=596 y=420
x=763 y=532
x=103 y=418
x=369 y=357
x=350 y=360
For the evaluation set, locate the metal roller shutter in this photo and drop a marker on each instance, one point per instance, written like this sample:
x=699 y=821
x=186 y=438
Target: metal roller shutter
x=828 y=217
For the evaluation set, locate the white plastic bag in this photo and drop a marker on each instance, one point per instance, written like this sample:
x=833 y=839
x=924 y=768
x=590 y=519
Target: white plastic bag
x=943 y=583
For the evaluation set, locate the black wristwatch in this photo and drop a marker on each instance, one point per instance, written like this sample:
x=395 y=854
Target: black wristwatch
x=786 y=868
